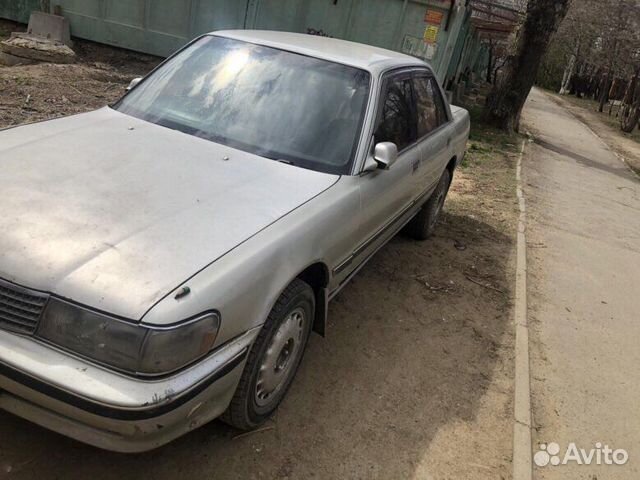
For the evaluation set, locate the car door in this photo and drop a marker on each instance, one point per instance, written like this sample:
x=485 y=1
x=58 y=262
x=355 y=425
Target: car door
x=434 y=134
x=386 y=195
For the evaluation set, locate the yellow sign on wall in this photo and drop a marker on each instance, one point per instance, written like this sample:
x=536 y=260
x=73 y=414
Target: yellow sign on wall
x=431 y=33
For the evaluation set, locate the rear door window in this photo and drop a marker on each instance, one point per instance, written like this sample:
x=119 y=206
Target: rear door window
x=430 y=106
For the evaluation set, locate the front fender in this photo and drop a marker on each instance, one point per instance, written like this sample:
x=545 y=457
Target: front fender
x=244 y=284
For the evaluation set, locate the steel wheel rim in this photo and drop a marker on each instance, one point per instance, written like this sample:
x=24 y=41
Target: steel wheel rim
x=280 y=357
x=439 y=204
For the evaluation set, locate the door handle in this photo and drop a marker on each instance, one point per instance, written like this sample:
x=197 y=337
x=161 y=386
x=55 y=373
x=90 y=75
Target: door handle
x=448 y=142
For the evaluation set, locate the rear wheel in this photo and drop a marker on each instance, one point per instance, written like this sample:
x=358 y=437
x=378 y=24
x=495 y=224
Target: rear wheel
x=424 y=223
x=274 y=358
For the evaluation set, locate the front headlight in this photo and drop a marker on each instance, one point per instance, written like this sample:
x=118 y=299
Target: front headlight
x=134 y=348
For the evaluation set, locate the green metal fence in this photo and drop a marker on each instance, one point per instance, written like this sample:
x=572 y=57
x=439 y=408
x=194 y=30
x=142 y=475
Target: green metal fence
x=18 y=10
x=161 y=26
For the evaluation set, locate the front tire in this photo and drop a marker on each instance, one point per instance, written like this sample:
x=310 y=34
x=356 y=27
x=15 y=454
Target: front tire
x=424 y=223
x=274 y=358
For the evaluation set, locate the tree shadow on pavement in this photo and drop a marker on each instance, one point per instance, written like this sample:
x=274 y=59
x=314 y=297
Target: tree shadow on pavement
x=619 y=170
x=412 y=347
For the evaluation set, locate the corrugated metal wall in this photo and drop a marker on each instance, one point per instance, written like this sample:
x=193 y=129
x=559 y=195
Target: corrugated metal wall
x=161 y=26
x=18 y=10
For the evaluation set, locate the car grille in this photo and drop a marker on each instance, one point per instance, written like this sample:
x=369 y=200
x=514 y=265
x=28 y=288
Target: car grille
x=20 y=308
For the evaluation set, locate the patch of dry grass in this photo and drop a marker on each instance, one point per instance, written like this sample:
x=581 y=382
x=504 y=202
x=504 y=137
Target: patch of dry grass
x=485 y=184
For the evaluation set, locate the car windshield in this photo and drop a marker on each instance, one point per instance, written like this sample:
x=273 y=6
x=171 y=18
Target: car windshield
x=273 y=103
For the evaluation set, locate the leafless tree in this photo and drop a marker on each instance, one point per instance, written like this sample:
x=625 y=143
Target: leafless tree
x=596 y=52
x=506 y=100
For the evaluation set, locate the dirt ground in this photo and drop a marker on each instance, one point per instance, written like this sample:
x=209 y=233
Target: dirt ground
x=29 y=93
x=626 y=145
x=415 y=377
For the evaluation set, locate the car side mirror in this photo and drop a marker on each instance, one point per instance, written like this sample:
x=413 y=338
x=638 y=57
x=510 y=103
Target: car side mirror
x=133 y=83
x=385 y=154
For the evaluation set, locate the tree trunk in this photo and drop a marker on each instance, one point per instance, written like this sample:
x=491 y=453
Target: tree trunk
x=629 y=123
x=506 y=100
x=569 y=71
x=604 y=92
x=568 y=74
x=630 y=116
x=490 y=66
x=596 y=82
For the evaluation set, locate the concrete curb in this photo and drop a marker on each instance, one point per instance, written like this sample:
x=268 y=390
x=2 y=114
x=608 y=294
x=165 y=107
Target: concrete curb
x=522 y=464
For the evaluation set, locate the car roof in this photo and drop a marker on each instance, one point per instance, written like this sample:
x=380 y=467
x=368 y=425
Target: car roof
x=367 y=57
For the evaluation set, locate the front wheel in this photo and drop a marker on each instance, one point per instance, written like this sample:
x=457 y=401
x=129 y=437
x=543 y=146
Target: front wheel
x=274 y=358
x=424 y=223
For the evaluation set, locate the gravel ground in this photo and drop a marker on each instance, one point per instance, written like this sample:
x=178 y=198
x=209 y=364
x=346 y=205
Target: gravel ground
x=415 y=378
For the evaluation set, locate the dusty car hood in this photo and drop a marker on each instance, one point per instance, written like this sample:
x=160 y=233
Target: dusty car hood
x=114 y=212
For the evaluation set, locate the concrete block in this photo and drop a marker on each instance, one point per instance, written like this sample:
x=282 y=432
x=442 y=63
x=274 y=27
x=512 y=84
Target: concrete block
x=37 y=48
x=51 y=27
x=9 y=60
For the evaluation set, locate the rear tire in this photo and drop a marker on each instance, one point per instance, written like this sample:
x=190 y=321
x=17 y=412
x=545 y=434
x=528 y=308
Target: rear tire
x=424 y=223
x=274 y=358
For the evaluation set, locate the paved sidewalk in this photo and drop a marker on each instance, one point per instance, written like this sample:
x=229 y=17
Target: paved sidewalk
x=584 y=293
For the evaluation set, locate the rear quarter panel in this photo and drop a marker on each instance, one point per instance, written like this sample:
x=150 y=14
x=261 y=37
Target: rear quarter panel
x=461 y=128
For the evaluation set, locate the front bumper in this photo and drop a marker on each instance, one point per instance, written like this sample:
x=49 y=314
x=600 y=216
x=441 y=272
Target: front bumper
x=113 y=411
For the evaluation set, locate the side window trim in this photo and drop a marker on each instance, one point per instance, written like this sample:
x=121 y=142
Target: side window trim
x=378 y=105
x=431 y=77
x=426 y=72
x=438 y=92
x=401 y=74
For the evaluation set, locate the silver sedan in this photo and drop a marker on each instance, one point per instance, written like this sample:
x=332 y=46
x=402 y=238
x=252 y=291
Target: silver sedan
x=164 y=260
